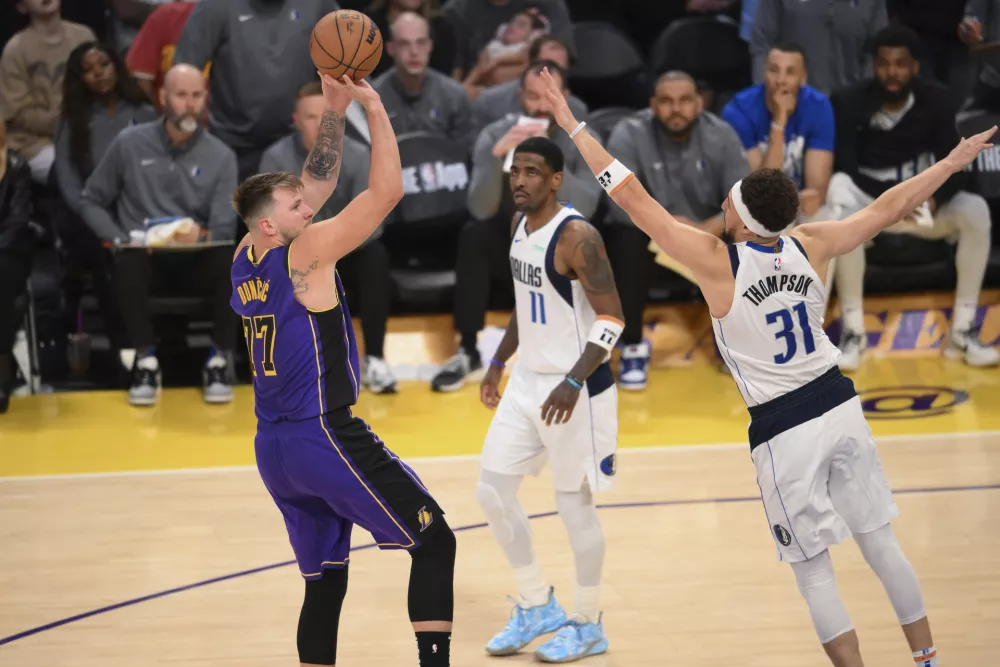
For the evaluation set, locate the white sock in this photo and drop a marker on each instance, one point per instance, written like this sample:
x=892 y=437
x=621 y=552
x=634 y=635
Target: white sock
x=964 y=316
x=587 y=603
x=531 y=584
x=854 y=319
x=925 y=658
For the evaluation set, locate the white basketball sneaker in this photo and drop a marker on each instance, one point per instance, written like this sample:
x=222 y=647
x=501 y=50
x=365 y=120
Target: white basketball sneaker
x=966 y=345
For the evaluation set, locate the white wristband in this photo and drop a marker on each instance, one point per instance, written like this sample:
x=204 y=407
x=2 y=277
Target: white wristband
x=614 y=177
x=605 y=332
x=579 y=127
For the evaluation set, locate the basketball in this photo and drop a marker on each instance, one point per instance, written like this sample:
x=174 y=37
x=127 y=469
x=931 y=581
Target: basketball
x=346 y=42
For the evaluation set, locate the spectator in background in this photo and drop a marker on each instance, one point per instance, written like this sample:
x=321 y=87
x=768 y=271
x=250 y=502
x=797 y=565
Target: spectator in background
x=168 y=169
x=785 y=124
x=748 y=8
x=31 y=80
x=688 y=159
x=507 y=55
x=505 y=99
x=416 y=98
x=16 y=244
x=365 y=271
x=982 y=24
x=152 y=52
x=943 y=56
x=833 y=33
x=888 y=129
x=483 y=241
x=443 y=54
x=476 y=23
x=259 y=51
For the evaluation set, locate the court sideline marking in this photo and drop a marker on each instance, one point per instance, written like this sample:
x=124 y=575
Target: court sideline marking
x=722 y=446
x=473 y=526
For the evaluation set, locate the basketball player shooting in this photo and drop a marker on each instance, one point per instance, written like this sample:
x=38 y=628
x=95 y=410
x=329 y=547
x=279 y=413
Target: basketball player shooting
x=820 y=475
x=324 y=468
x=560 y=400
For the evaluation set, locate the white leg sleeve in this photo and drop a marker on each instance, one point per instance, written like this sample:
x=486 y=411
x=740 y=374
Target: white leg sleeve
x=884 y=555
x=971 y=216
x=818 y=586
x=497 y=496
x=578 y=513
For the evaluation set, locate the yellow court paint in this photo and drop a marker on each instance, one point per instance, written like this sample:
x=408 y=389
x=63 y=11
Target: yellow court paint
x=99 y=432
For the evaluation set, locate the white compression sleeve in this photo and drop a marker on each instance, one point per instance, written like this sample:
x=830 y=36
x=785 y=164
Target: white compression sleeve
x=818 y=586
x=885 y=557
x=579 y=515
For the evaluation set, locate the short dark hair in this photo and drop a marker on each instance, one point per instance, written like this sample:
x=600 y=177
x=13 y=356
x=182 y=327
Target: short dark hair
x=675 y=75
x=545 y=148
x=254 y=195
x=537 y=66
x=771 y=197
x=895 y=36
x=311 y=89
x=792 y=47
x=536 y=46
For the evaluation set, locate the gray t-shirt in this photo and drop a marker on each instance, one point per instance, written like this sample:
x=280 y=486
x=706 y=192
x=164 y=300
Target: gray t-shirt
x=504 y=100
x=486 y=190
x=260 y=58
x=289 y=154
x=441 y=108
x=143 y=176
x=690 y=178
x=832 y=32
x=103 y=130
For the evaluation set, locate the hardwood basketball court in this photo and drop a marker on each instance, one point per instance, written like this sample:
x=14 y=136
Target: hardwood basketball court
x=143 y=537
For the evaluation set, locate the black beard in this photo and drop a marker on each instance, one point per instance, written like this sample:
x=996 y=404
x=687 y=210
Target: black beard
x=676 y=134
x=896 y=96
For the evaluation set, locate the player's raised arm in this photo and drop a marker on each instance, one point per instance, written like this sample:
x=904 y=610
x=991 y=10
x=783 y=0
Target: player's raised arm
x=701 y=252
x=823 y=240
x=331 y=239
x=581 y=249
x=322 y=167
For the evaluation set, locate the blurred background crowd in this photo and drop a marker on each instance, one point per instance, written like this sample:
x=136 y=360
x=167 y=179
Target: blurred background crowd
x=122 y=118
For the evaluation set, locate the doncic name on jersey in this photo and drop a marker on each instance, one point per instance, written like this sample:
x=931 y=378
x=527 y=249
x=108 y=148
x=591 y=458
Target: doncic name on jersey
x=765 y=287
x=526 y=273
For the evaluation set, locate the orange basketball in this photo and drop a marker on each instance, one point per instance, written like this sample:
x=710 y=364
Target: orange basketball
x=346 y=42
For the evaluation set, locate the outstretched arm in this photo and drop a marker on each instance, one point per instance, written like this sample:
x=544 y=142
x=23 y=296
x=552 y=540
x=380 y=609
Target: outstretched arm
x=701 y=252
x=823 y=240
x=581 y=251
x=329 y=240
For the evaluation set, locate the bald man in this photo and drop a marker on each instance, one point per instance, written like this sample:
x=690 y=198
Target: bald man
x=158 y=172
x=417 y=98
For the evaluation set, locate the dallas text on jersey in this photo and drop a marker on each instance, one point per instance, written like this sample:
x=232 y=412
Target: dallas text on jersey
x=529 y=274
x=765 y=287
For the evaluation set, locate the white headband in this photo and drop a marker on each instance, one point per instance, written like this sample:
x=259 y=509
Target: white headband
x=744 y=214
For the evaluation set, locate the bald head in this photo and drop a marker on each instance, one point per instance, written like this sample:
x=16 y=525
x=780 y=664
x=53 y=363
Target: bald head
x=183 y=98
x=411 y=43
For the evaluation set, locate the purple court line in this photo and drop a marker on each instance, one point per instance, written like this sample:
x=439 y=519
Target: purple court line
x=459 y=529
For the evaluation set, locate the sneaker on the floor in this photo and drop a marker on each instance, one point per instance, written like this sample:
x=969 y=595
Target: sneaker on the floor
x=458 y=370
x=633 y=371
x=378 y=377
x=852 y=344
x=215 y=380
x=576 y=640
x=145 y=387
x=526 y=624
x=966 y=345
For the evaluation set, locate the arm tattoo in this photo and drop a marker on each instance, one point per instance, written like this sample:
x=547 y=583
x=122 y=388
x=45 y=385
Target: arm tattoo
x=595 y=269
x=323 y=162
x=299 y=278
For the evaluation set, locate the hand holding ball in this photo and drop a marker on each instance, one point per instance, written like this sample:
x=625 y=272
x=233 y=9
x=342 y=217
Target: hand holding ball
x=346 y=42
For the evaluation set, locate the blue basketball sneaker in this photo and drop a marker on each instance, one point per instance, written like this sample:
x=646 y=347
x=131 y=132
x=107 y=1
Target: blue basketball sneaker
x=633 y=368
x=526 y=624
x=577 y=640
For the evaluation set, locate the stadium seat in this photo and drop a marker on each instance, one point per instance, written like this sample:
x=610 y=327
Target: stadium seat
x=608 y=70
x=603 y=121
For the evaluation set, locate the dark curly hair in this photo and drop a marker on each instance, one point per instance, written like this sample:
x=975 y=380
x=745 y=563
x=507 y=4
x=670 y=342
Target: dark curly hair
x=771 y=197
x=78 y=99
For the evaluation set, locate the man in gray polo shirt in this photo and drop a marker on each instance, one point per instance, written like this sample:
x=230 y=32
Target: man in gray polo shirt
x=417 y=98
x=260 y=58
x=365 y=271
x=688 y=159
x=169 y=168
x=483 y=241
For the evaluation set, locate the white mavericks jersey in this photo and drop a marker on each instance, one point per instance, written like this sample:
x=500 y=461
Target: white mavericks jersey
x=772 y=339
x=554 y=317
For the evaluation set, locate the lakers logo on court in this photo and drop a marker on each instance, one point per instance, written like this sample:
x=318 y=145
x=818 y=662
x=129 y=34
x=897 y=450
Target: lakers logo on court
x=425 y=518
x=910 y=402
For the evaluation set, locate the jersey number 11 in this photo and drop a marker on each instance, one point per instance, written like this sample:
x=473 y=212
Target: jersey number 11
x=787 y=331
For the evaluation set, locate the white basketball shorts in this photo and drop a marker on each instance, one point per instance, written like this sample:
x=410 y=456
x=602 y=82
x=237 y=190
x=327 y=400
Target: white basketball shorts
x=518 y=441
x=821 y=482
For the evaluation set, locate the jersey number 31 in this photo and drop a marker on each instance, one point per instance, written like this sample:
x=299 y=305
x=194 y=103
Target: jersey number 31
x=787 y=332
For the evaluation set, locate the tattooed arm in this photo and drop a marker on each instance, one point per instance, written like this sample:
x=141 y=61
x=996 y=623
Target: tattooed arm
x=322 y=168
x=580 y=254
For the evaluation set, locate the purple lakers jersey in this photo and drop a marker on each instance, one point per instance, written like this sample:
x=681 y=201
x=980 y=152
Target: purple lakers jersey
x=304 y=362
